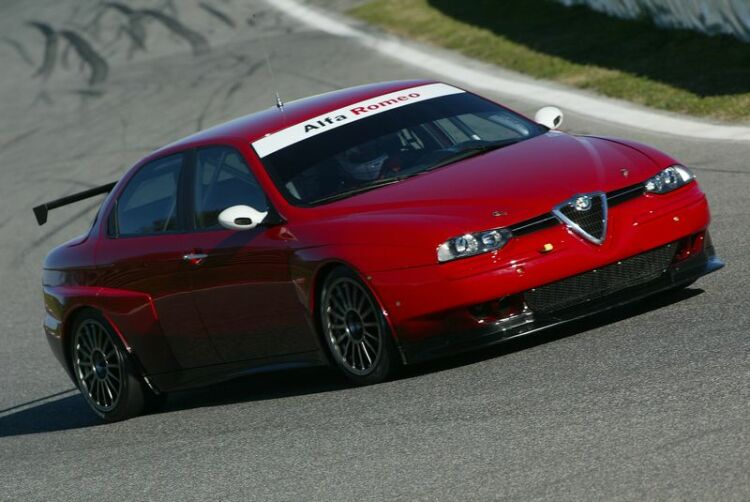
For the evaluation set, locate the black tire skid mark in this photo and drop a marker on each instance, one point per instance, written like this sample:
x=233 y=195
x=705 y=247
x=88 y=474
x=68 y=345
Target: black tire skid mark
x=234 y=85
x=52 y=232
x=197 y=41
x=5 y=221
x=327 y=83
x=270 y=22
x=87 y=95
x=51 y=43
x=97 y=64
x=238 y=83
x=93 y=27
x=218 y=14
x=169 y=5
x=86 y=52
x=19 y=48
x=44 y=98
x=135 y=29
x=20 y=137
x=65 y=57
x=206 y=108
x=232 y=90
x=137 y=35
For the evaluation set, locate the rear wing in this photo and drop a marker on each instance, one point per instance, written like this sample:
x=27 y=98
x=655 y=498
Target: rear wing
x=41 y=211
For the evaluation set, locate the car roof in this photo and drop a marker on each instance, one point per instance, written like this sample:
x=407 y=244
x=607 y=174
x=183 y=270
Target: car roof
x=257 y=125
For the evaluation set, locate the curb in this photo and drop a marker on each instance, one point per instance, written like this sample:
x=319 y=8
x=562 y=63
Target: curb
x=539 y=91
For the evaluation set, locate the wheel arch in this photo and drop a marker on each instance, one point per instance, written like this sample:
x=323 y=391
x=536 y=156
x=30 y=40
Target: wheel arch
x=127 y=350
x=70 y=321
x=318 y=280
x=316 y=289
x=67 y=333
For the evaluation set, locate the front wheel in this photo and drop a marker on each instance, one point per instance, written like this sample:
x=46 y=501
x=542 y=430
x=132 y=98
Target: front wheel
x=103 y=372
x=355 y=330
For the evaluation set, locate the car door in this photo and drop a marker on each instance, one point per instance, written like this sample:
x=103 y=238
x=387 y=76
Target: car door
x=144 y=252
x=241 y=284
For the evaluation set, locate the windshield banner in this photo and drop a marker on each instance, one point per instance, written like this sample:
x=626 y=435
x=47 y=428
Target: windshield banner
x=336 y=118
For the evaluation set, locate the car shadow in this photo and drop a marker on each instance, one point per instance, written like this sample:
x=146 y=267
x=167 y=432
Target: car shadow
x=64 y=413
x=701 y=64
x=72 y=412
x=68 y=410
x=259 y=387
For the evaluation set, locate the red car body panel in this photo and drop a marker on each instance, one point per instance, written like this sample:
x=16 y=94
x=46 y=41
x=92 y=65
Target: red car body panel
x=252 y=303
x=416 y=297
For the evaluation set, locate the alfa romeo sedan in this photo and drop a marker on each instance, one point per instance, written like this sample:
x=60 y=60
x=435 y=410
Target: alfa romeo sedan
x=366 y=228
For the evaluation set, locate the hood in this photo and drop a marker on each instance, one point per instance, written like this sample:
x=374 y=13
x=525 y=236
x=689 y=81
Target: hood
x=521 y=181
x=496 y=189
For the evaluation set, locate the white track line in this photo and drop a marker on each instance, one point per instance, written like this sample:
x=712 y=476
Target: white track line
x=597 y=107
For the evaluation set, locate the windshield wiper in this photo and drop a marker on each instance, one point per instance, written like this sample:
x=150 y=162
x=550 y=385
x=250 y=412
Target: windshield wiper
x=473 y=152
x=360 y=189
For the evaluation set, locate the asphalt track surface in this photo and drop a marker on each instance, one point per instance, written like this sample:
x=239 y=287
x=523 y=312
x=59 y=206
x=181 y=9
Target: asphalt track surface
x=649 y=402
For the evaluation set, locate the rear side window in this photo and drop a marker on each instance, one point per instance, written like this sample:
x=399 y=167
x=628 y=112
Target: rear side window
x=148 y=204
x=222 y=180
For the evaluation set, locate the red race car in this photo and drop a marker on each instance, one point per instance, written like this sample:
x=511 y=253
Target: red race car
x=367 y=228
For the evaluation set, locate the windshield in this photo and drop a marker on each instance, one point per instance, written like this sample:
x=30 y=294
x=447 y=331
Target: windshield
x=394 y=145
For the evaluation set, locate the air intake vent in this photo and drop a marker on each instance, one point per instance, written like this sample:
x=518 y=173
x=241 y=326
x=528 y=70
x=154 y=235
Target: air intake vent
x=595 y=284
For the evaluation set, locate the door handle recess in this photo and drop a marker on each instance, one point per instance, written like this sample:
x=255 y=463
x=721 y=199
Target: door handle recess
x=195 y=258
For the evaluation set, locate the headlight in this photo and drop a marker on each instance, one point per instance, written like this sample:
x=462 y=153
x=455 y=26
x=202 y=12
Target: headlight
x=669 y=179
x=472 y=244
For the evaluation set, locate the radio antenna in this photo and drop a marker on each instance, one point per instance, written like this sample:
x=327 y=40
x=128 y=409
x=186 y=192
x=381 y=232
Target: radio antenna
x=266 y=53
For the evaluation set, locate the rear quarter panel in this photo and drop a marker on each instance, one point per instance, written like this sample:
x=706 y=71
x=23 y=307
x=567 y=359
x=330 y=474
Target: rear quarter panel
x=71 y=282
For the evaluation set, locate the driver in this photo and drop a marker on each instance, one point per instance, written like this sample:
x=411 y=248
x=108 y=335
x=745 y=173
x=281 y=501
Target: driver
x=392 y=147
x=374 y=160
x=362 y=163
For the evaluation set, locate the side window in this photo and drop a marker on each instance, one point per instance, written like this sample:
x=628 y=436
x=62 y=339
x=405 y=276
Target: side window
x=148 y=205
x=222 y=180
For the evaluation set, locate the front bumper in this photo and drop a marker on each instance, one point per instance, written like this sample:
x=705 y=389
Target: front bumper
x=528 y=322
x=433 y=308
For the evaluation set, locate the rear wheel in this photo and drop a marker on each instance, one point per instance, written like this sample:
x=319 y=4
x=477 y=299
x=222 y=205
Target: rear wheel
x=355 y=329
x=103 y=372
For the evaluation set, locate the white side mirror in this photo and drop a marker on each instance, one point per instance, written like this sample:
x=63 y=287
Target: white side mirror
x=241 y=218
x=550 y=116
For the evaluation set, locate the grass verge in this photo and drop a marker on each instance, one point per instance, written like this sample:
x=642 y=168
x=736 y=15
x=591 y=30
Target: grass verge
x=676 y=70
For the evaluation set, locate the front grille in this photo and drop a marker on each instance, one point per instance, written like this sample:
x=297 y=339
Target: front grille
x=598 y=283
x=547 y=220
x=621 y=195
x=591 y=221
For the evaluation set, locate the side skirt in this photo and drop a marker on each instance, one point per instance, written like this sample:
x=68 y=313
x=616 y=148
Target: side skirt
x=207 y=375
